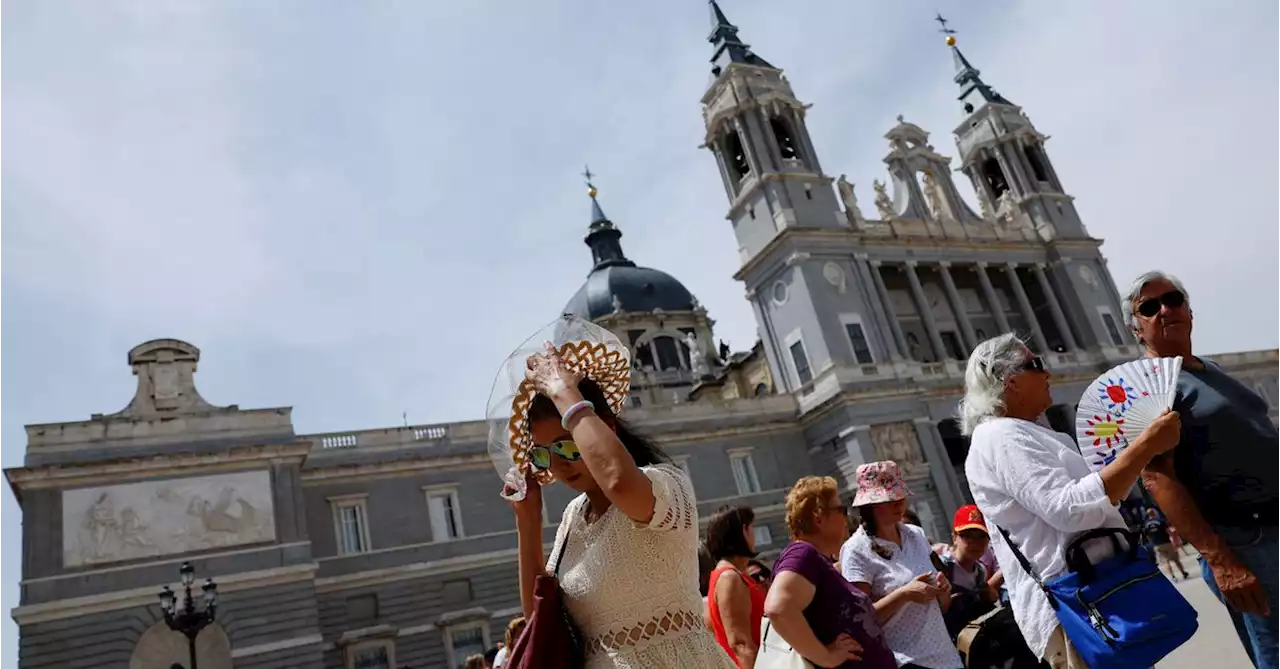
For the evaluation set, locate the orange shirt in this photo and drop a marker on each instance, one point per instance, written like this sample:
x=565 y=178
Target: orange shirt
x=713 y=610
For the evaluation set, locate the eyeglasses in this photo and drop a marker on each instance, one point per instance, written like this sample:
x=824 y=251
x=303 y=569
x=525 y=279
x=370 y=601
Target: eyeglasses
x=540 y=456
x=1172 y=299
x=1032 y=364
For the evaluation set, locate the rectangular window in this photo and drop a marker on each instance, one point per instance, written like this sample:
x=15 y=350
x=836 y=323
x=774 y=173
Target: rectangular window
x=1113 y=331
x=763 y=536
x=371 y=658
x=465 y=642
x=351 y=525
x=744 y=473
x=446 y=517
x=858 y=339
x=801 y=359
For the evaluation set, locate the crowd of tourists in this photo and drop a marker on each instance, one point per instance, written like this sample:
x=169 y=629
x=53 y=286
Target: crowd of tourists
x=629 y=584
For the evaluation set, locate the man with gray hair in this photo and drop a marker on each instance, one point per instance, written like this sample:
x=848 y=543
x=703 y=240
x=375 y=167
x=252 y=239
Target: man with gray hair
x=1220 y=486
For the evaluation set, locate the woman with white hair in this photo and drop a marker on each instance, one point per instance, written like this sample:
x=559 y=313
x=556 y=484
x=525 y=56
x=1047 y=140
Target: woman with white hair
x=1033 y=482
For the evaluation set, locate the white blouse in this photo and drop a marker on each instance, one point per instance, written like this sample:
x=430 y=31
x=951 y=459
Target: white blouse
x=632 y=588
x=1032 y=481
x=916 y=633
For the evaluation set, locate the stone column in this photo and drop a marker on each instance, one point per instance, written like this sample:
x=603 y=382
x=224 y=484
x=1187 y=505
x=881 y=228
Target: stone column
x=944 y=475
x=730 y=185
x=1125 y=310
x=894 y=327
x=775 y=151
x=1024 y=305
x=882 y=312
x=989 y=292
x=1055 y=308
x=802 y=136
x=957 y=305
x=926 y=315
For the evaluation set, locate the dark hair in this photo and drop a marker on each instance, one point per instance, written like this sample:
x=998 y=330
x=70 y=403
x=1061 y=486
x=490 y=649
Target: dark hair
x=705 y=566
x=490 y=655
x=642 y=450
x=725 y=532
x=867 y=514
x=912 y=518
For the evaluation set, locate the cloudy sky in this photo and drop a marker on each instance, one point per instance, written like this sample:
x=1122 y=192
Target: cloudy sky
x=357 y=209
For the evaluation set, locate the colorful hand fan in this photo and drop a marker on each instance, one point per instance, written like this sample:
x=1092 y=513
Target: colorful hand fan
x=1121 y=403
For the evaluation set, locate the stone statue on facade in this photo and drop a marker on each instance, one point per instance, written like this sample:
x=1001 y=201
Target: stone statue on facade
x=850 y=200
x=933 y=195
x=984 y=205
x=697 y=359
x=724 y=352
x=884 y=205
x=617 y=304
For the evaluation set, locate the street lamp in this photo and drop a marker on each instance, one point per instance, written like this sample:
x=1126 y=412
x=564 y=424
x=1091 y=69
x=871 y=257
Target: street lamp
x=184 y=618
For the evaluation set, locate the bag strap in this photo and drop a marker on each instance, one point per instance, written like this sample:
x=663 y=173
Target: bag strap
x=560 y=556
x=1027 y=567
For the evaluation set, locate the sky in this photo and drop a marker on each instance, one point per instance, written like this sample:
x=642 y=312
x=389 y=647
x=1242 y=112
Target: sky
x=358 y=209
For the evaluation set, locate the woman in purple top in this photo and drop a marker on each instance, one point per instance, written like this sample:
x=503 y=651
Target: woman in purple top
x=810 y=605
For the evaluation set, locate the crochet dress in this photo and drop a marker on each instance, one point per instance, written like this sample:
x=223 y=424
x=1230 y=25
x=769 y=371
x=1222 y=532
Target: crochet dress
x=632 y=588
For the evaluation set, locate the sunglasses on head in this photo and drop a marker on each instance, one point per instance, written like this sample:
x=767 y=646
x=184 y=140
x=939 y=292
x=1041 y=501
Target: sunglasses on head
x=1032 y=364
x=540 y=456
x=1172 y=299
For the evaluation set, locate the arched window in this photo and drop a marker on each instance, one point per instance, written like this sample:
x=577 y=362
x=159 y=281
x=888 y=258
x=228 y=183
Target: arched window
x=1037 y=163
x=668 y=353
x=735 y=157
x=994 y=178
x=786 y=139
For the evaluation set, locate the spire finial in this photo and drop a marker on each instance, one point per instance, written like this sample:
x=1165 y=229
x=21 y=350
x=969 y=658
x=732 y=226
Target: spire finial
x=951 y=39
x=587 y=174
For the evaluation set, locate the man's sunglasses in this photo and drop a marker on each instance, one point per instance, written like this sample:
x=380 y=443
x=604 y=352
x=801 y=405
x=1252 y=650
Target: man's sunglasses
x=1033 y=364
x=540 y=456
x=1172 y=299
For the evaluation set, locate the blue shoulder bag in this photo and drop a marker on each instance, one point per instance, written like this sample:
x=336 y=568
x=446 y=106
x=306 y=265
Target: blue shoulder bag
x=1120 y=613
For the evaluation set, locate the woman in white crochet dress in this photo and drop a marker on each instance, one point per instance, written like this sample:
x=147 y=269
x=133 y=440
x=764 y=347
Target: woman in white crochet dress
x=630 y=567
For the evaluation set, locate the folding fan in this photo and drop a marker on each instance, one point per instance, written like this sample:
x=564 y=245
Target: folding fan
x=1121 y=403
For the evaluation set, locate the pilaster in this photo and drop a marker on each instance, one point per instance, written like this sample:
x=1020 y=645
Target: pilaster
x=989 y=292
x=944 y=475
x=1024 y=305
x=1055 y=308
x=957 y=306
x=926 y=314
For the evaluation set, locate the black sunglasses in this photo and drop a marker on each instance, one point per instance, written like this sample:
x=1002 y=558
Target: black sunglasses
x=1032 y=364
x=1172 y=299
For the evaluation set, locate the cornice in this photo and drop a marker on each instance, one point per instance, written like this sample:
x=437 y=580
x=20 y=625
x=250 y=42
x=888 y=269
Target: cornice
x=169 y=464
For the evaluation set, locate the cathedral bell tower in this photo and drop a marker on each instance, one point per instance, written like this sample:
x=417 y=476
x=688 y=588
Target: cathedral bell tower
x=756 y=129
x=1004 y=156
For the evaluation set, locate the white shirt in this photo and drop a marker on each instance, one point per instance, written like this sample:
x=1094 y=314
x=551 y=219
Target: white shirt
x=632 y=588
x=1031 y=481
x=916 y=633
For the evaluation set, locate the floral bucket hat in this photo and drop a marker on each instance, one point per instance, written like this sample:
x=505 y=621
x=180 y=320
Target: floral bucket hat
x=880 y=482
x=585 y=348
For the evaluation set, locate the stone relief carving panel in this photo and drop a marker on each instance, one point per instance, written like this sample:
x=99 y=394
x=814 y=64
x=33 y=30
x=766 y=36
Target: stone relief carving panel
x=898 y=442
x=152 y=518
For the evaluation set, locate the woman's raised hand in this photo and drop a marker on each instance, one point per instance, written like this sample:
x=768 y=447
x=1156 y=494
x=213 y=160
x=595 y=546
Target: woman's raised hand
x=548 y=372
x=529 y=508
x=1164 y=432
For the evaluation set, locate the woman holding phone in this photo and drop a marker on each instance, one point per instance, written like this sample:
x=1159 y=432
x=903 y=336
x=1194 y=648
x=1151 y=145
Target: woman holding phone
x=892 y=561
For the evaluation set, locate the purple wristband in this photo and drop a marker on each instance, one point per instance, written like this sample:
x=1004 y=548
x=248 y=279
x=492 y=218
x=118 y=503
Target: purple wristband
x=574 y=410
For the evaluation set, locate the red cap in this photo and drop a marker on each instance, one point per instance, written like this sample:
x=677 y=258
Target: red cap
x=968 y=517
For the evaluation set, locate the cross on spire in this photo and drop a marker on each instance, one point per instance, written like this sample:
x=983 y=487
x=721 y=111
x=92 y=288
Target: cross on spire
x=587 y=174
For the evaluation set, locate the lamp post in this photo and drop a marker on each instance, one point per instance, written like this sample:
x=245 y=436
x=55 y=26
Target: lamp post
x=183 y=617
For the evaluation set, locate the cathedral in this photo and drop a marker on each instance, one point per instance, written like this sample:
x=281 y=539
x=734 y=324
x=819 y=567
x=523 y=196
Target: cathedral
x=388 y=548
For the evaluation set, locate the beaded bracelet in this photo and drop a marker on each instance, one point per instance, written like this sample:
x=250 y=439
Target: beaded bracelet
x=573 y=410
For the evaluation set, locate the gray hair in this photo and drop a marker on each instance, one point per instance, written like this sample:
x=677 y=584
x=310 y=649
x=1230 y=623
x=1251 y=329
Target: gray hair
x=990 y=365
x=1135 y=290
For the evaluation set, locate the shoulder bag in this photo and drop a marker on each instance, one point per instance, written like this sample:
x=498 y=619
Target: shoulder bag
x=776 y=653
x=550 y=639
x=1119 y=613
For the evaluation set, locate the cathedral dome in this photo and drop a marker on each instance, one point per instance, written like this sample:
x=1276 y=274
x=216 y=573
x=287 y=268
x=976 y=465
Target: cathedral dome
x=616 y=284
x=620 y=287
